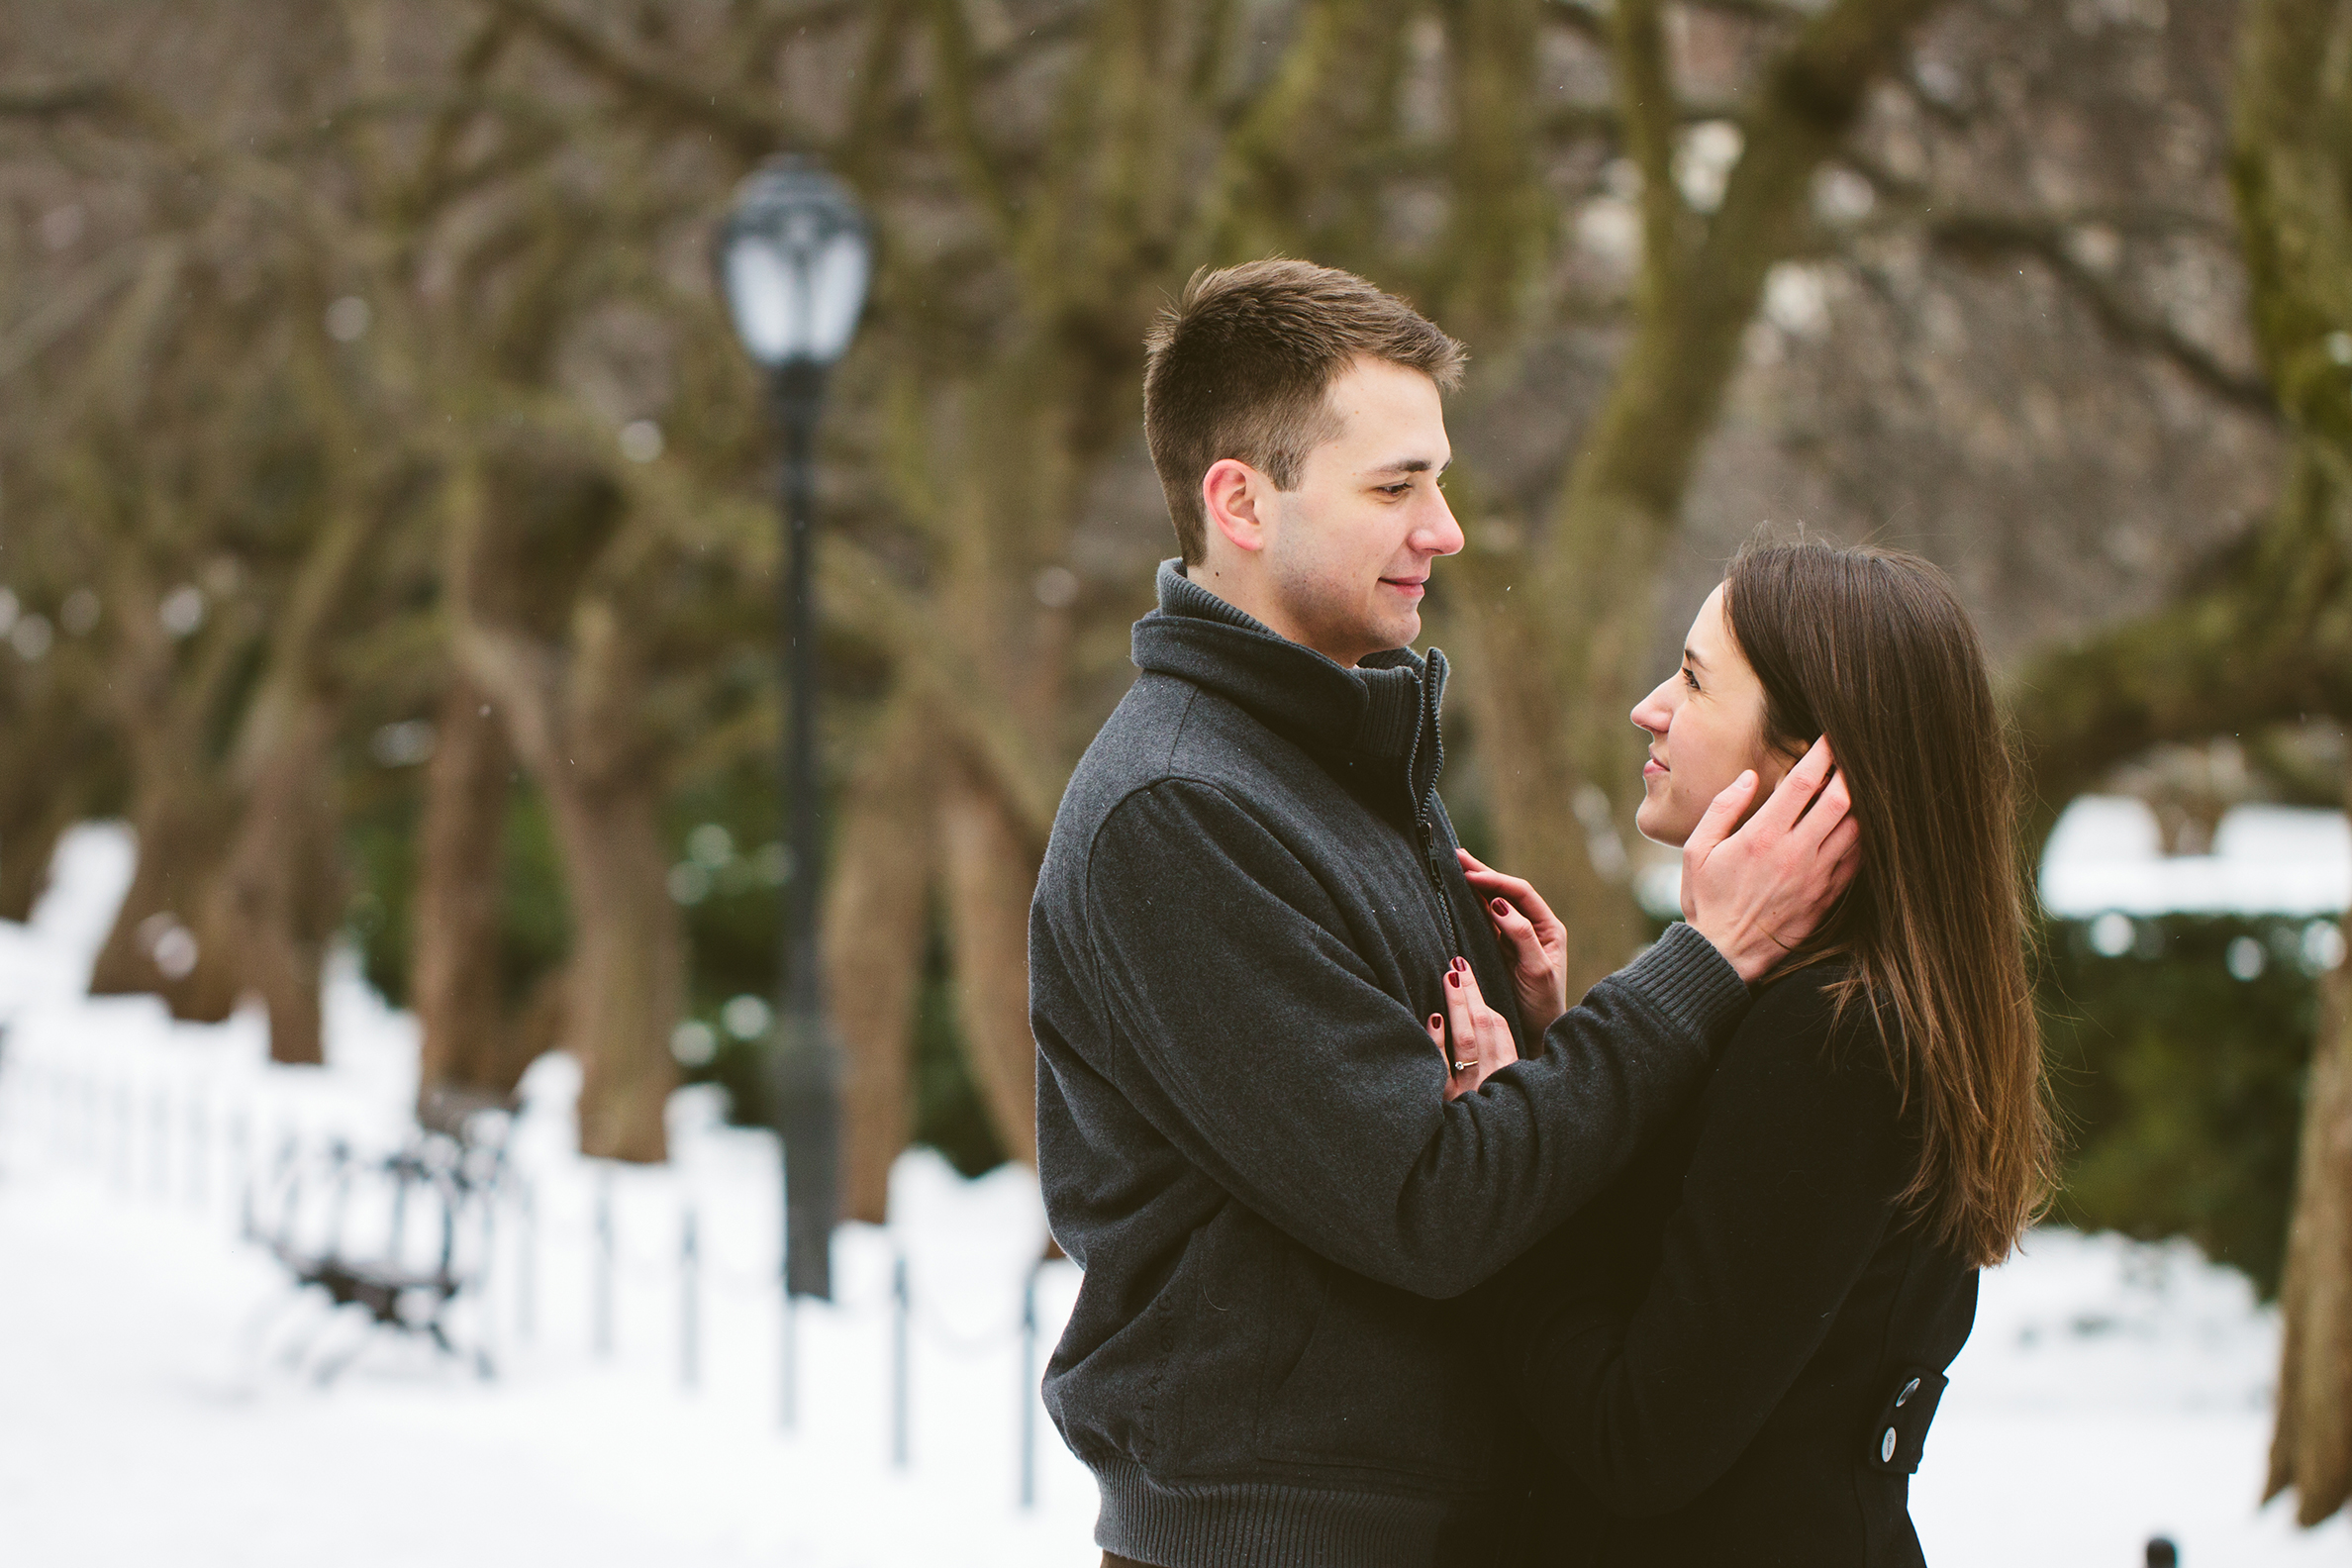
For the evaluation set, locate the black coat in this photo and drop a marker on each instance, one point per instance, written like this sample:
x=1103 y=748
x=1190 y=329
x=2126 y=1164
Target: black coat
x=1723 y=1341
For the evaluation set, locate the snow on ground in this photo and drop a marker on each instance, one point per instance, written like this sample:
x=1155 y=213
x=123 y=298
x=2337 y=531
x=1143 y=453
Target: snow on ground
x=160 y=1403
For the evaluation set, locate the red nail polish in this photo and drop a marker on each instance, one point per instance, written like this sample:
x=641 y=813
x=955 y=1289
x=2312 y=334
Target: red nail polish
x=1501 y=908
x=1454 y=979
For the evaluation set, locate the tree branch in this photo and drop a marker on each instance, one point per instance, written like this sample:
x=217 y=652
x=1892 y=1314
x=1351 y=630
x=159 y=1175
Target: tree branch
x=955 y=78
x=1588 y=22
x=1569 y=122
x=1770 y=12
x=1981 y=234
x=752 y=130
x=2257 y=641
x=60 y=102
x=1647 y=119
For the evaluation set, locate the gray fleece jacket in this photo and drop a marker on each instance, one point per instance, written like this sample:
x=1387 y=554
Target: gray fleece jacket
x=1246 y=911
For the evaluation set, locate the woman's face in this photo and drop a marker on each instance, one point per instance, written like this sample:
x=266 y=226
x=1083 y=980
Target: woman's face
x=1706 y=724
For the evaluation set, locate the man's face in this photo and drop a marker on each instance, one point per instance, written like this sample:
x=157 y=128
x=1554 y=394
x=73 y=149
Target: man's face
x=1348 y=552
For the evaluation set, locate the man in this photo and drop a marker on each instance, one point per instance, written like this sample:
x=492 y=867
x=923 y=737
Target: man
x=1246 y=913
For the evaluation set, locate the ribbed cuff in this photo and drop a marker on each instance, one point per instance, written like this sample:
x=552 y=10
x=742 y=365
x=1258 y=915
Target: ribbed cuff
x=1262 y=1525
x=1683 y=976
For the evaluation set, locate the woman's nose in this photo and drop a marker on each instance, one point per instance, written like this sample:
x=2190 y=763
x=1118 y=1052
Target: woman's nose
x=1651 y=713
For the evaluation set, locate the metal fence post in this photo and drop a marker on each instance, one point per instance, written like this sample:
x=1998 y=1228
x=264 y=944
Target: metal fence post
x=789 y=1354
x=689 y=1300
x=160 y=1157
x=1028 y=1387
x=489 y=1285
x=525 y=1259
x=901 y=1308
x=123 y=1136
x=199 y=1150
x=602 y=1285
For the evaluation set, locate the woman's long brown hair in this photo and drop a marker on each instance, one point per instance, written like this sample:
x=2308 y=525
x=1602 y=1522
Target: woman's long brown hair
x=1872 y=649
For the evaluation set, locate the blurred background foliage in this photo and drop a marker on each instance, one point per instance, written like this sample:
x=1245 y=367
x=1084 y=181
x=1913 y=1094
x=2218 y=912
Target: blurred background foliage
x=2180 y=1054
x=386 y=510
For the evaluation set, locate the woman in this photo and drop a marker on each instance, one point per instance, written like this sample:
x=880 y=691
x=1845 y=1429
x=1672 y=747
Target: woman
x=1733 y=1354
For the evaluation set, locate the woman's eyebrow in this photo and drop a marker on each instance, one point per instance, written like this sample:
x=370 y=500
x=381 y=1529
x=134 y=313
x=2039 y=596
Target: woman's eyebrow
x=1690 y=658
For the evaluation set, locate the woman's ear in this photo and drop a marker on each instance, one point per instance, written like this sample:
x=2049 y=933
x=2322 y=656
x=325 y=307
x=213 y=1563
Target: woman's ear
x=1772 y=765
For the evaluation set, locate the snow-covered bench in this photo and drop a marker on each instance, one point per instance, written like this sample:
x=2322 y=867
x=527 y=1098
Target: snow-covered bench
x=447 y=1175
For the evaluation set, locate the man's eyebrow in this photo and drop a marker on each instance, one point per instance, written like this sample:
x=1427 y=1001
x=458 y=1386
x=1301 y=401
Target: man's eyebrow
x=1411 y=466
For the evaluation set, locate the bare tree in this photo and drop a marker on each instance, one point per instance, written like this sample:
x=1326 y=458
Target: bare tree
x=1989 y=212
x=2294 y=179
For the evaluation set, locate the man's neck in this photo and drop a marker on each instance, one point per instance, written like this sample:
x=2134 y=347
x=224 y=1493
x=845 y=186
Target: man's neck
x=1243 y=592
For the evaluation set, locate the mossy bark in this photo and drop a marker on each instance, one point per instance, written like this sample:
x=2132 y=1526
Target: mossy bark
x=542 y=548
x=2263 y=635
x=455 y=982
x=876 y=919
x=1558 y=663
x=989 y=866
x=284 y=887
x=181 y=812
x=2293 y=175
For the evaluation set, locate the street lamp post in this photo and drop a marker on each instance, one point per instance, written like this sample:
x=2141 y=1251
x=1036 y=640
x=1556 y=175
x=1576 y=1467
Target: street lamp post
x=793 y=260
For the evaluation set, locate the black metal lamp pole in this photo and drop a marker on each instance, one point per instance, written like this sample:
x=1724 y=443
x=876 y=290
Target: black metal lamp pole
x=793 y=261
x=807 y=1077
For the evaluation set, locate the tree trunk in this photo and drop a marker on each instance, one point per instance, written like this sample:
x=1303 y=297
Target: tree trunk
x=469 y=1044
x=1570 y=641
x=876 y=917
x=627 y=967
x=2292 y=179
x=282 y=888
x=2258 y=639
x=991 y=874
x=25 y=848
x=1531 y=770
x=542 y=631
x=63 y=764
x=628 y=964
x=181 y=827
x=2311 y=1446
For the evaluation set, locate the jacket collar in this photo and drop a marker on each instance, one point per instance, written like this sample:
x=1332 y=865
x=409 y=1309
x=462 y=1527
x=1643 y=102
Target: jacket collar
x=1387 y=706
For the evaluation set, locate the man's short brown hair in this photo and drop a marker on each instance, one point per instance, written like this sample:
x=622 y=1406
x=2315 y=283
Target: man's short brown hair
x=1238 y=367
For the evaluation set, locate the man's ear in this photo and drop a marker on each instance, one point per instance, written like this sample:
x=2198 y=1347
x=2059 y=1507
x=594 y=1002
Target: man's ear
x=1236 y=496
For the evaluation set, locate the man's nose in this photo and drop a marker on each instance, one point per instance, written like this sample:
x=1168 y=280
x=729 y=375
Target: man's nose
x=1438 y=534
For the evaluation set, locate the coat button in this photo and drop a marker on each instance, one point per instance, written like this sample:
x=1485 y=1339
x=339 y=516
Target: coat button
x=1909 y=1389
x=1886 y=1447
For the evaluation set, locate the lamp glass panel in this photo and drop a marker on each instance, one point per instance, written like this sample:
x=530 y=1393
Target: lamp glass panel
x=761 y=291
x=836 y=291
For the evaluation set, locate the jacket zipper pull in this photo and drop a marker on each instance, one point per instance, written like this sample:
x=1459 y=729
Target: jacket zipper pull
x=1428 y=839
